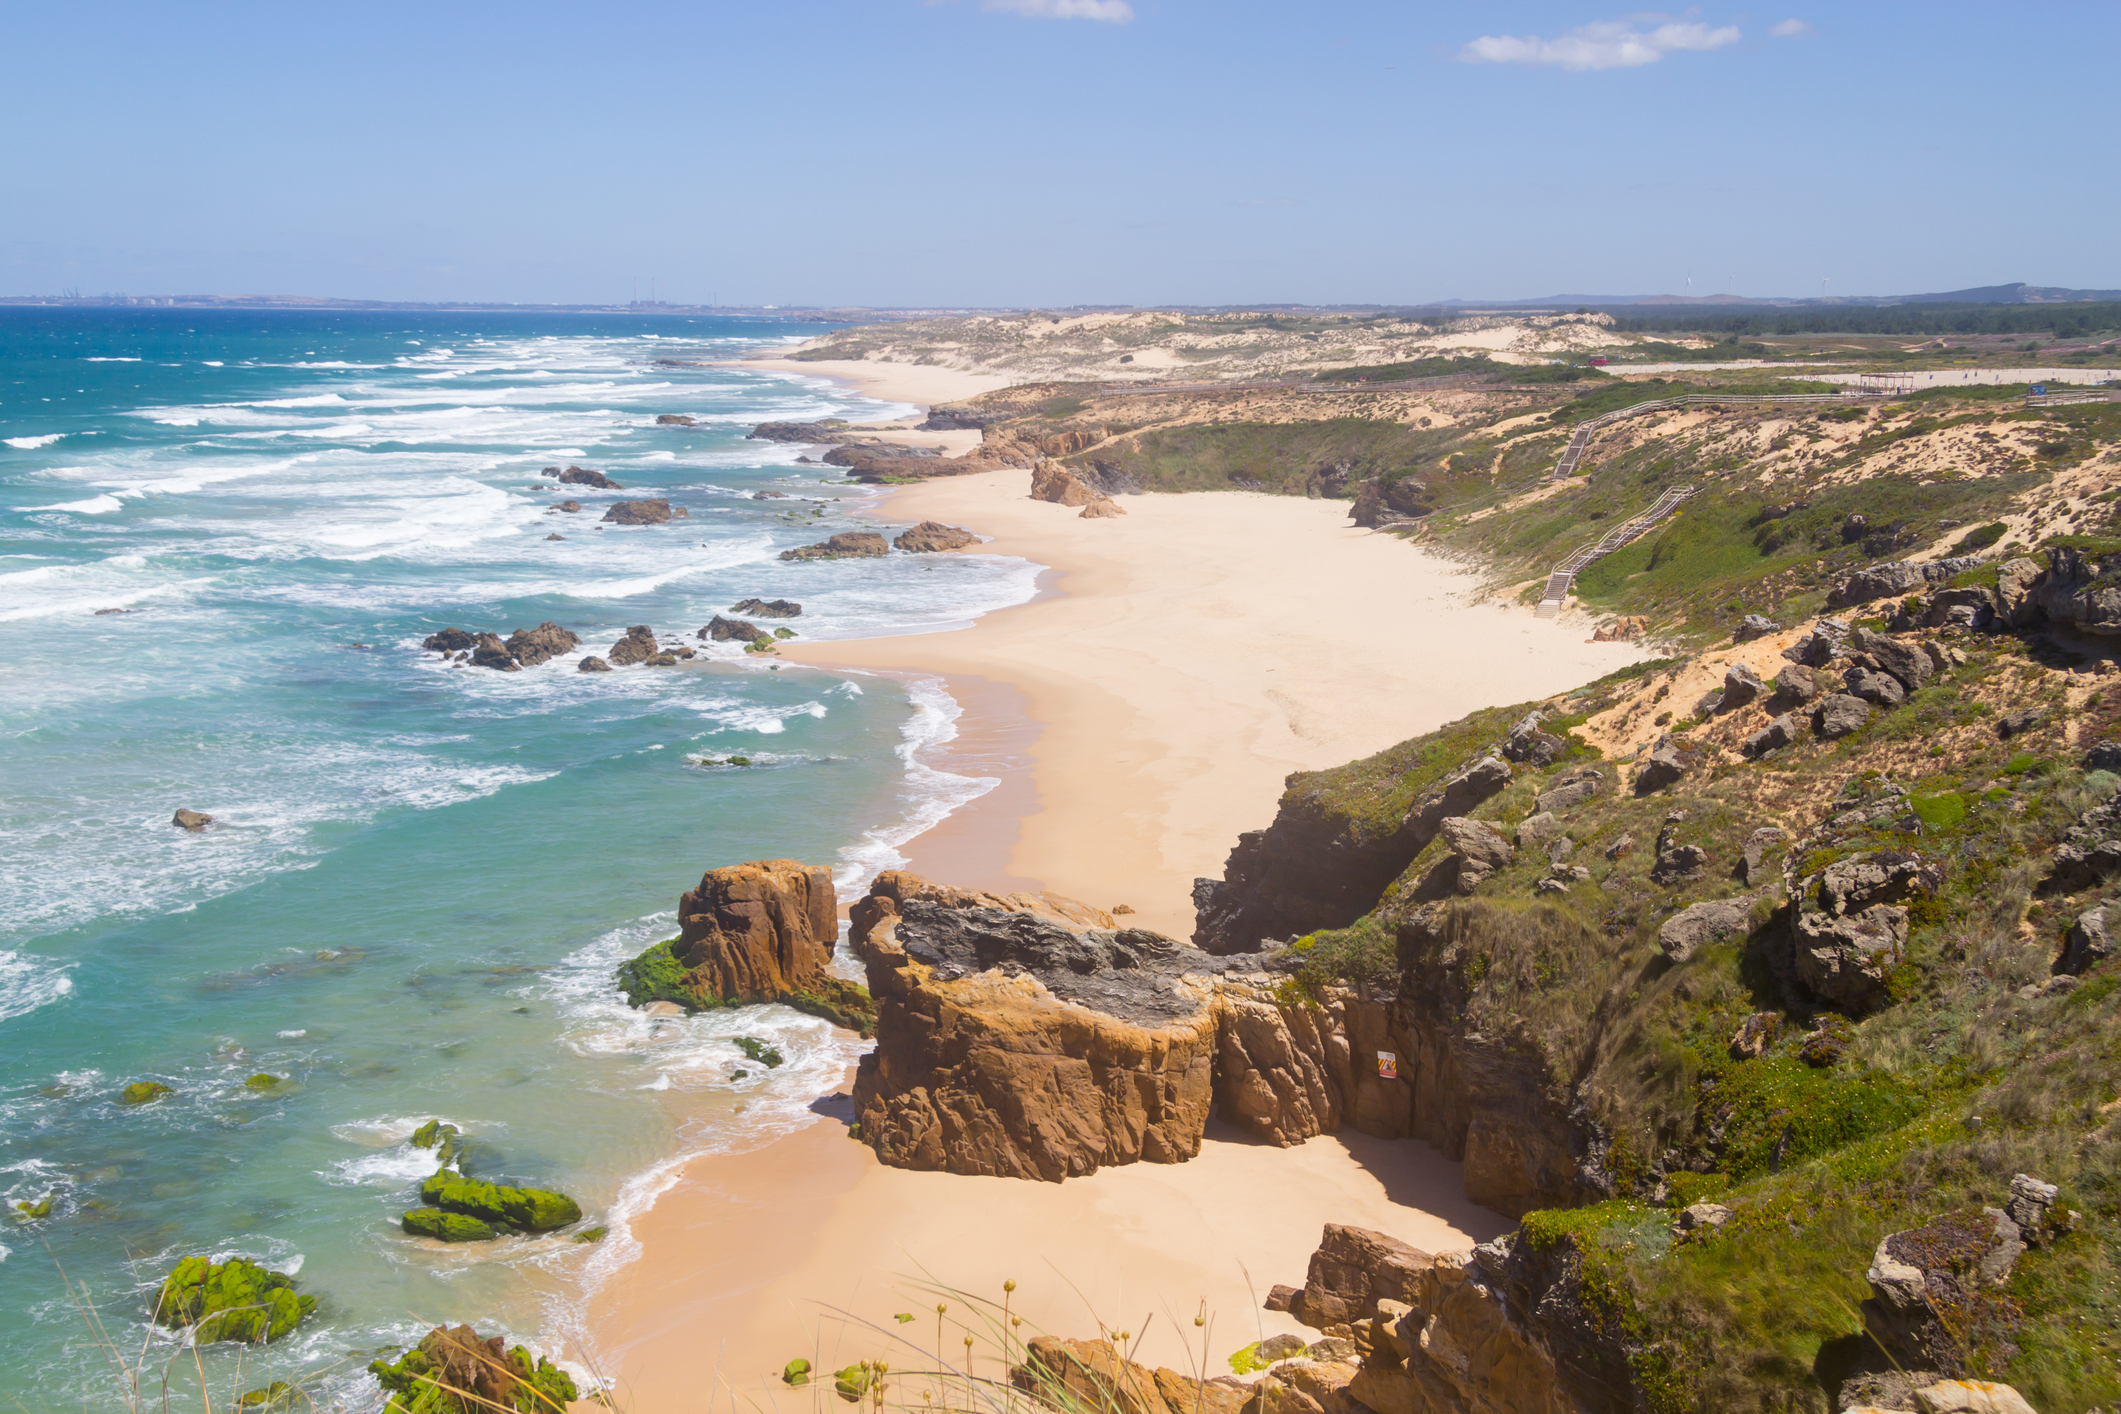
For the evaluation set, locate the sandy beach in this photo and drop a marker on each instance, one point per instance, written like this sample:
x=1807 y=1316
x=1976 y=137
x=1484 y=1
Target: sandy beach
x=891 y=382
x=1140 y=712
x=1198 y=650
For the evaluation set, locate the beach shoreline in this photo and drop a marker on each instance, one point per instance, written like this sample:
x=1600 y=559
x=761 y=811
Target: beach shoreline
x=886 y=382
x=1136 y=715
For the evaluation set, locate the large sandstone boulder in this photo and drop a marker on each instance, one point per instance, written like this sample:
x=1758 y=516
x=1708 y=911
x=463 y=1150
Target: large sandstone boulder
x=932 y=536
x=192 y=820
x=1025 y=1037
x=758 y=931
x=1352 y=1270
x=1092 y=1375
x=1050 y=481
x=848 y=544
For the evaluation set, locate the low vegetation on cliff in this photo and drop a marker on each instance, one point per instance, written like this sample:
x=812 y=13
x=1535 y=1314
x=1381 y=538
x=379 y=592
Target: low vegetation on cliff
x=1723 y=989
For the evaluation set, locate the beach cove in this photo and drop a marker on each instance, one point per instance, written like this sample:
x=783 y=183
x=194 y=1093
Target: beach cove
x=1178 y=663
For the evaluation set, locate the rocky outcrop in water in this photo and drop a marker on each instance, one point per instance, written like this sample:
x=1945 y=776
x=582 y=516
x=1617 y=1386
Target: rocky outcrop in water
x=638 y=646
x=824 y=433
x=192 y=820
x=756 y=932
x=525 y=648
x=234 y=1300
x=1026 y=1036
x=582 y=476
x=931 y=536
x=723 y=630
x=847 y=545
x=768 y=608
x=650 y=512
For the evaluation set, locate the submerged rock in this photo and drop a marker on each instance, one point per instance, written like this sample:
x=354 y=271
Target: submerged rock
x=143 y=1092
x=848 y=544
x=581 y=476
x=232 y=1300
x=592 y=664
x=446 y=1227
x=526 y=1209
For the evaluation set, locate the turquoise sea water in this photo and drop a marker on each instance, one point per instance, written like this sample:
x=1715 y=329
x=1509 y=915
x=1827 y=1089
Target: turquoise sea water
x=420 y=876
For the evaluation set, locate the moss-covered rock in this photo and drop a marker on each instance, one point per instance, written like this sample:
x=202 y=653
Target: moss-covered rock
x=525 y=1209
x=232 y=1300
x=456 y=1371
x=262 y=1082
x=657 y=976
x=446 y=1227
x=277 y=1395
x=428 y=1134
x=759 y=1051
x=30 y=1211
x=592 y=1234
x=143 y=1092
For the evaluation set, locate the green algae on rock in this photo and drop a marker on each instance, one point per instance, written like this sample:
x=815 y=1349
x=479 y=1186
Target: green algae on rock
x=262 y=1082
x=446 y=1227
x=456 y=1371
x=527 y=1209
x=232 y=1300
x=143 y=1092
x=277 y=1395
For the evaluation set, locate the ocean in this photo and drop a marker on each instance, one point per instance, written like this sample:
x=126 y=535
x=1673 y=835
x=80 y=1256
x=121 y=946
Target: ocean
x=420 y=876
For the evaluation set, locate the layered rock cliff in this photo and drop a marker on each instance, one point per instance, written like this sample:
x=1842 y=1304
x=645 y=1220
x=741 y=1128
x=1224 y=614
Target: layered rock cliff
x=1026 y=1036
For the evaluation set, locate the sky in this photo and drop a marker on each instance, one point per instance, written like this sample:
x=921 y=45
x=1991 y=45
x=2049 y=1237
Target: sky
x=957 y=153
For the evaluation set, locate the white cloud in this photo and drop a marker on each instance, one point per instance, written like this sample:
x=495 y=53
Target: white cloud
x=1609 y=44
x=1791 y=29
x=1111 y=12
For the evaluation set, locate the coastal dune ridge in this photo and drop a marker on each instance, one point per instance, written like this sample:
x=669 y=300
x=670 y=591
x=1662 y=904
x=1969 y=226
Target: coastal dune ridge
x=1178 y=664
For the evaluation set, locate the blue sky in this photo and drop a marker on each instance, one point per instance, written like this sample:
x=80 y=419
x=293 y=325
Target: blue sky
x=1011 y=152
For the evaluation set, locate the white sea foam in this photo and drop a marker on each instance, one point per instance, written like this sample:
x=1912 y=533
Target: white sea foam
x=27 y=983
x=30 y=444
x=94 y=505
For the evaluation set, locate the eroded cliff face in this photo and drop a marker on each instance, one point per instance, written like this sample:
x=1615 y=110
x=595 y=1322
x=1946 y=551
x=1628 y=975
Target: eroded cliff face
x=1338 y=838
x=1291 y=1067
x=1023 y=1036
